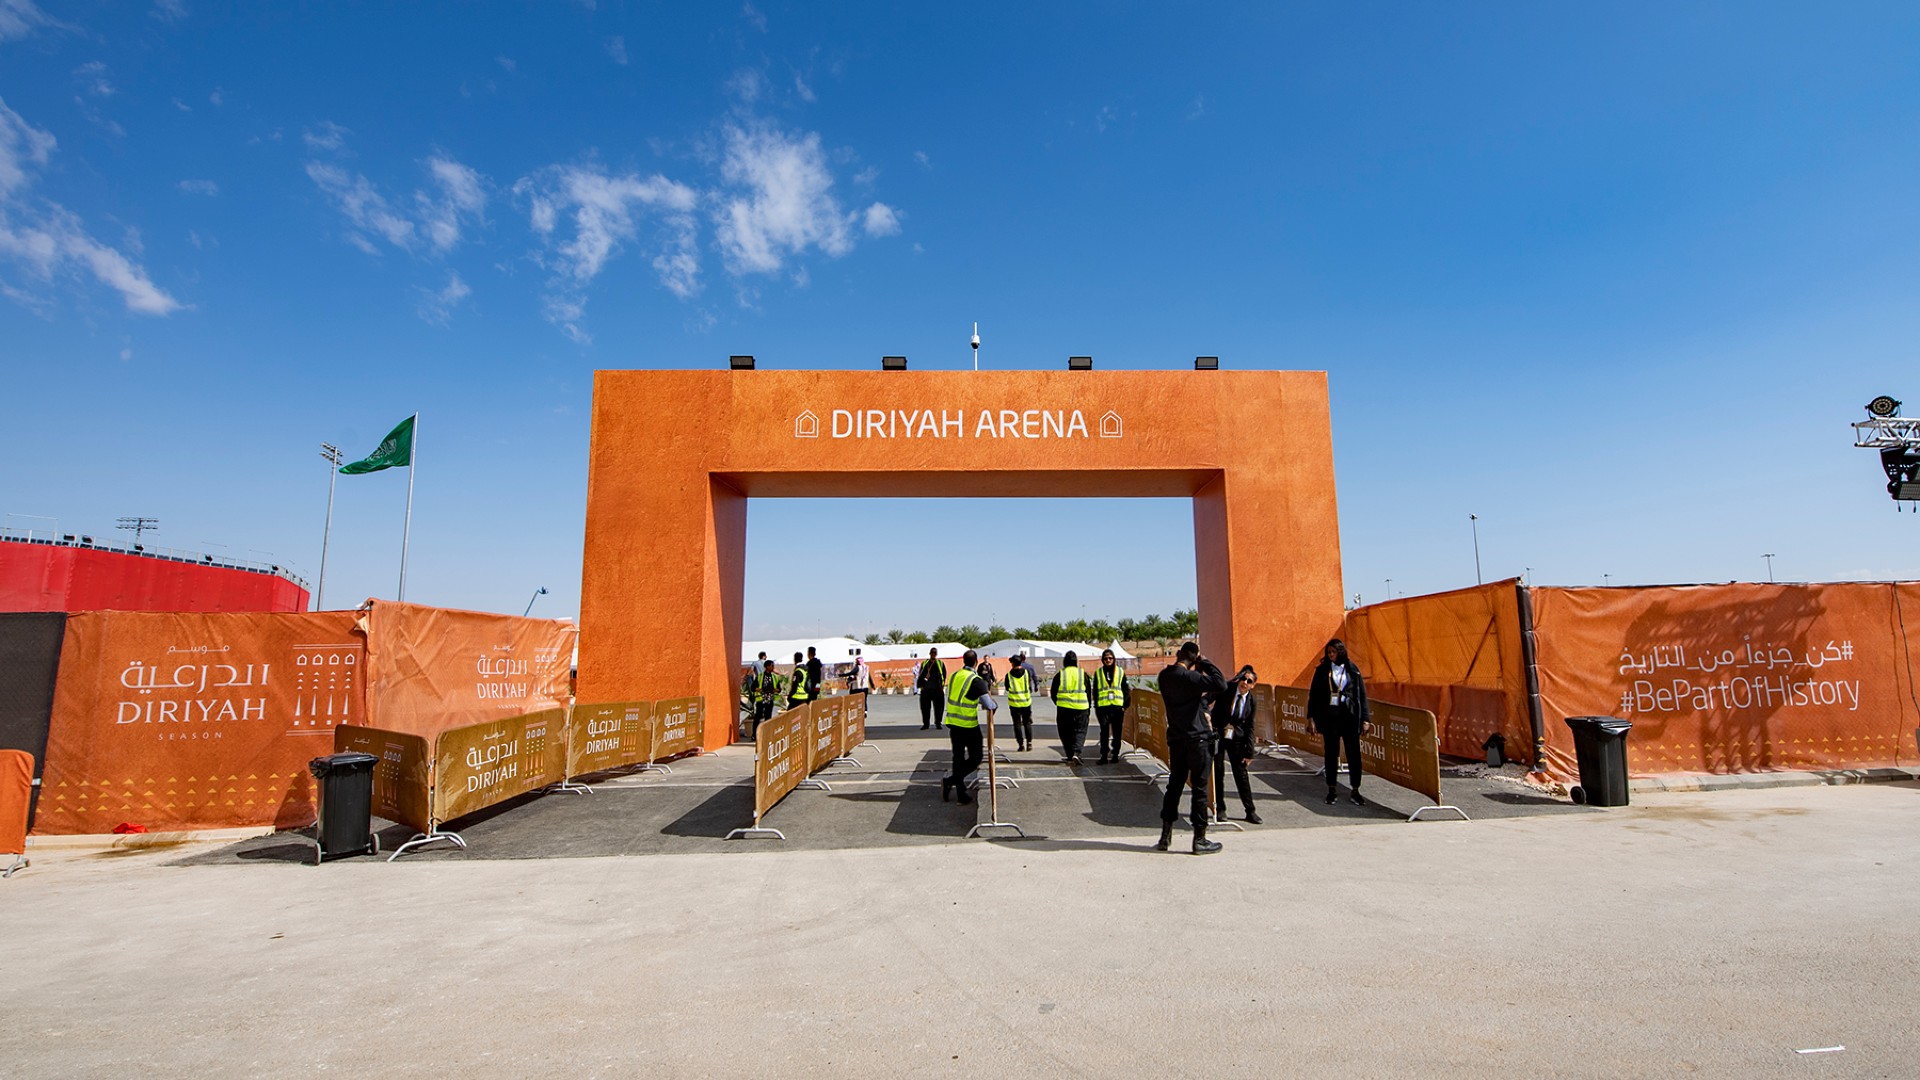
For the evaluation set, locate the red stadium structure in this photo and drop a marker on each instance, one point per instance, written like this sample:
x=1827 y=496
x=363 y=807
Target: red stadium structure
x=72 y=573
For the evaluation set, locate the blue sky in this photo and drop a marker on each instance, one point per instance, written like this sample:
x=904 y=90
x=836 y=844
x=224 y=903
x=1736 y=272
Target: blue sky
x=1615 y=278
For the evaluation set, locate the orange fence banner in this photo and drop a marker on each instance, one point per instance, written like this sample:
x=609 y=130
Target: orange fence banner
x=679 y=727
x=824 y=744
x=403 y=780
x=780 y=757
x=482 y=764
x=1456 y=654
x=433 y=668
x=853 y=724
x=1732 y=678
x=609 y=736
x=200 y=720
x=1403 y=746
x=16 y=794
x=1150 y=724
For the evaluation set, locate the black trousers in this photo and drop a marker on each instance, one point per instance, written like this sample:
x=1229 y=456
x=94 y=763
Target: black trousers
x=967 y=751
x=1189 y=759
x=1022 y=724
x=932 y=707
x=1111 y=718
x=1073 y=730
x=1241 y=783
x=1351 y=737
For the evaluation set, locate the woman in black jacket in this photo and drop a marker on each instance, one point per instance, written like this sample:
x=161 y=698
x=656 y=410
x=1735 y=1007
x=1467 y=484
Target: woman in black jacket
x=1337 y=706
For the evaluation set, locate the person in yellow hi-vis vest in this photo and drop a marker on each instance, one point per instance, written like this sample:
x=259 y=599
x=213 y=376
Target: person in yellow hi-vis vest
x=1020 y=682
x=797 y=683
x=963 y=692
x=1070 y=706
x=1110 y=697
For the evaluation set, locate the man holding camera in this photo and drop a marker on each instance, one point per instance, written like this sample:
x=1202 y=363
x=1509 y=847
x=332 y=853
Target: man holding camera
x=1184 y=685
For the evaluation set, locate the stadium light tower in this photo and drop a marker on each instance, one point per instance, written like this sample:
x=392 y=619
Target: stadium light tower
x=1898 y=440
x=138 y=525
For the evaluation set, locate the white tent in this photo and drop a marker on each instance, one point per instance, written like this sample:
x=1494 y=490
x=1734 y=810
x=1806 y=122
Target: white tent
x=839 y=650
x=1051 y=650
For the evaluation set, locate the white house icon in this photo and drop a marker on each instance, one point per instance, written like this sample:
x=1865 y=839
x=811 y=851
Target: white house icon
x=1110 y=425
x=806 y=426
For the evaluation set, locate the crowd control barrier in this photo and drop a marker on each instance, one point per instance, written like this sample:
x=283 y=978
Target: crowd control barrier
x=1402 y=748
x=426 y=781
x=16 y=793
x=791 y=746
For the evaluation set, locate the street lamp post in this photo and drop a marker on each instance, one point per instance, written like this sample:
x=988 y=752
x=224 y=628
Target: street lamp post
x=537 y=594
x=1769 y=557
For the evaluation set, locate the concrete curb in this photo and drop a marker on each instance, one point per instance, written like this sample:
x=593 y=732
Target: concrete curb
x=1784 y=778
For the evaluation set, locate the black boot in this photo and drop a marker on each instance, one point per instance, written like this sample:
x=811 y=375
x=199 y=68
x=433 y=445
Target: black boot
x=1202 y=845
x=1253 y=816
x=946 y=788
x=1166 y=836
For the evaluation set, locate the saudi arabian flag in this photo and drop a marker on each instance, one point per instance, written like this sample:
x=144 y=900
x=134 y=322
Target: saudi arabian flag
x=394 y=452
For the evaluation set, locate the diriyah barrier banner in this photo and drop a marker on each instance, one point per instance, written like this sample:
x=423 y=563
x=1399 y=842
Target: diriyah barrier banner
x=853 y=723
x=433 y=669
x=196 y=720
x=824 y=743
x=481 y=764
x=1402 y=747
x=609 y=736
x=1732 y=678
x=403 y=778
x=780 y=757
x=679 y=727
x=1150 y=723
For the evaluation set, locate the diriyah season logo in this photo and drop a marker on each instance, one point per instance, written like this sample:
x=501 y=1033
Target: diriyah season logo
x=954 y=424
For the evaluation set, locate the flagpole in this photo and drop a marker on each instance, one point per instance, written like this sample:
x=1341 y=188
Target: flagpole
x=334 y=458
x=406 y=535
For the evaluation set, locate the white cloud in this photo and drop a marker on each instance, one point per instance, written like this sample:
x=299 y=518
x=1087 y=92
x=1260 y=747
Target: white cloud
x=585 y=216
x=617 y=48
x=747 y=86
x=92 y=77
x=181 y=105
x=882 y=220
x=327 y=136
x=19 y=18
x=44 y=239
x=754 y=18
x=506 y=64
x=783 y=202
x=800 y=87
x=199 y=187
x=218 y=97
x=920 y=158
x=865 y=177
x=431 y=222
x=436 y=306
x=169 y=10
x=1198 y=107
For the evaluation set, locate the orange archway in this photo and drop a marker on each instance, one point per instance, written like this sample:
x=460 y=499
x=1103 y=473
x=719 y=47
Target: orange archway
x=677 y=454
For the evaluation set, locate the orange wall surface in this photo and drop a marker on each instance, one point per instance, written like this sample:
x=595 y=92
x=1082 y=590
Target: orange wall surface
x=677 y=454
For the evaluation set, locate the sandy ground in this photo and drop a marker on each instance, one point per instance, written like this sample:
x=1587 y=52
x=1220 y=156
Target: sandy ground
x=1709 y=934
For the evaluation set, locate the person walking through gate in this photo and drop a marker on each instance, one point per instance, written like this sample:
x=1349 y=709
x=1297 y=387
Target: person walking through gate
x=1110 y=698
x=1184 y=684
x=861 y=681
x=1337 y=706
x=763 y=689
x=965 y=688
x=1020 y=701
x=815 y=674
x=1233 y=715
x=1070 y=706
x=931 y=678
x=797 y=683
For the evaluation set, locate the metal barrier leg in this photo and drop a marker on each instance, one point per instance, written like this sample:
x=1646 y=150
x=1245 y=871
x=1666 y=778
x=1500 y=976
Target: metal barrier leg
x=568 y=785
x=974 y=833
x=755 y=830
x=1415 y=816
x=815 y=783
x=19 y=863
x=847 y=760
x=654 y=766
x=425 y=838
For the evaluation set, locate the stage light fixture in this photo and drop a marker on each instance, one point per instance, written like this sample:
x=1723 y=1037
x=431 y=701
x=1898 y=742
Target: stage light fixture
x=1206 y=363
x=1902 y=466
x=1079 y=363
x=893 y=363
x=740 y=363
x=1883 y=407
